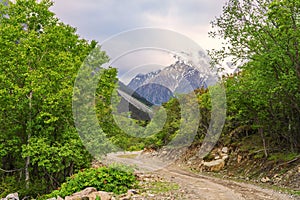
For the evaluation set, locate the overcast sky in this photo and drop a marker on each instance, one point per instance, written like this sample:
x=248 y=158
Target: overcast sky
x=102 y=19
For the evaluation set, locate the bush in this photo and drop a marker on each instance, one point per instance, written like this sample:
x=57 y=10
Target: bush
x=109 y=179
x=8 y=184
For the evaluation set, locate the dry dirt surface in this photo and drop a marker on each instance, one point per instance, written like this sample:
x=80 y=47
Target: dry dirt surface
x=196 y=186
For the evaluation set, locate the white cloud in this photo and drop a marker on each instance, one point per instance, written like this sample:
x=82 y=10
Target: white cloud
x=101 y=19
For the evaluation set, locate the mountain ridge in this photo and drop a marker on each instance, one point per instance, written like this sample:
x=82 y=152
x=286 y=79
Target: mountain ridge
x=178 y=78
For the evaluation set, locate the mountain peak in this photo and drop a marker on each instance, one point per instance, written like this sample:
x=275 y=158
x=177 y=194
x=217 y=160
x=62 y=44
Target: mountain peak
x=179 y=77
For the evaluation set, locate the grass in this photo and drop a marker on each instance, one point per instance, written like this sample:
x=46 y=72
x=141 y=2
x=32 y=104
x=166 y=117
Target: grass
x=131 y=156
x=282 y=156
x=296 y=192
x=162 y=187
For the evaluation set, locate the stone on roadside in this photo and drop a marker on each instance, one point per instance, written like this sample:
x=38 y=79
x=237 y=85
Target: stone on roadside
x=89 y=193
x=13 y=196
x=224 y=156
x=129 y=194
x=225 y=150
x=53 y=198
x=102 y=195
x=265 y=179
x=239 y=159
x=215 y=165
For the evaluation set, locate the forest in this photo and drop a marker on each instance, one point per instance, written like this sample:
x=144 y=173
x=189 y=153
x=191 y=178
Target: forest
x=39 y=62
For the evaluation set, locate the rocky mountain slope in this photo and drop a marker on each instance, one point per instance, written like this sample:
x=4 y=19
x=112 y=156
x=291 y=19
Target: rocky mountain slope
x=179 y=78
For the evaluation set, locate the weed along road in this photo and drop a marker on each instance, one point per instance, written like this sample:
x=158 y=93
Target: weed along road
x=196 y=186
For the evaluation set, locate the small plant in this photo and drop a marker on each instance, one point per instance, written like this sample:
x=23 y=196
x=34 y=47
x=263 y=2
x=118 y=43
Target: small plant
x=159 y=187
x=209 y=157
x=284 y=157
x=109 y=179
x=98 y=198
x=259 y=156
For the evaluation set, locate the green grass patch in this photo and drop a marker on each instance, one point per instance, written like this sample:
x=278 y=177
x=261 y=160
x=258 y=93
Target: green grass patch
x=285 y=157
x=162 y=187
x=130 y=156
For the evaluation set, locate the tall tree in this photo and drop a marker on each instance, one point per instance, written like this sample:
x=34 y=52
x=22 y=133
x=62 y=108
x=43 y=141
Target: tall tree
x=263 y=35
x=40 y=57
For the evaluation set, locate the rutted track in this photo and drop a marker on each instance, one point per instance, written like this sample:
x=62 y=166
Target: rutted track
x=208 y=188
x=198 y=186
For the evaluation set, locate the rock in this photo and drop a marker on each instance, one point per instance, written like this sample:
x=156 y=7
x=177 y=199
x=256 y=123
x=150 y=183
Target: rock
x=277 y=178
x=224 y=156
x=97 y=164
x=85 y=192
x=89 y=193
x=239 y=159
x=59 y=198
x=215 y=165
x=124 y=198
x=129 y=194
x=230 y=174
x=298 y=169
x=265 y=179
x=101 y=194
x=164 y=152
x=217 y=157
x=52 y=198
x=154 y=154
x=13 y=196
x=151 y=195
x=225 y=150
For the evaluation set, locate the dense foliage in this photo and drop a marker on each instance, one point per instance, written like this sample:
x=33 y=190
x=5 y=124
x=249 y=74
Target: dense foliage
x=263 y=98
x=264 y=37
x=40 y=57
x=109 y=179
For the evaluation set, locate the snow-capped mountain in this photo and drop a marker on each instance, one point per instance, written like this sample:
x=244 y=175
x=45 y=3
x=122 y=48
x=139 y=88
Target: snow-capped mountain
x=159 y=86
x=155 y=93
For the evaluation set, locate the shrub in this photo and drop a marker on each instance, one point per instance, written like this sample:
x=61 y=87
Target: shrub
x=109 y=179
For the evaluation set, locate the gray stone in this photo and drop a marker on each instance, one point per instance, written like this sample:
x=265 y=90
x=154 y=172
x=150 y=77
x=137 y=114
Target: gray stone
x=224 y=156
x=265 y=179
x=52 y=198
x=101 y=194
x=215 y=165
x=13 y=196
x=225 y=150
x=82 y=194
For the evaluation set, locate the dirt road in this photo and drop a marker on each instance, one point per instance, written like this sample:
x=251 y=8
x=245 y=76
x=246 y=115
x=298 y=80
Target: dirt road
x=196 y=186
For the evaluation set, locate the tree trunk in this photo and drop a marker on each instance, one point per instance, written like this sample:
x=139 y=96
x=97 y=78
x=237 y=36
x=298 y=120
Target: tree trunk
x=27 y=175
x=261 y=132
x=27 y=162
x=262 y=135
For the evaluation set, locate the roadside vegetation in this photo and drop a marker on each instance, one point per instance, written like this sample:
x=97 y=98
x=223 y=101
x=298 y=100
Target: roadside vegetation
x=40 y=148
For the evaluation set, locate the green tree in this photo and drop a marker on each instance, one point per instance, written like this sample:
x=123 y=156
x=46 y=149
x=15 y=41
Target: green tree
x=263 y=36
x=40 y=57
